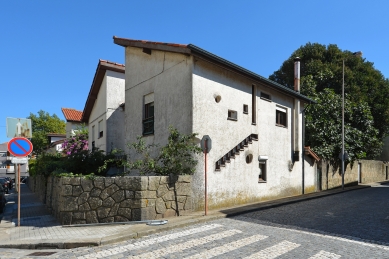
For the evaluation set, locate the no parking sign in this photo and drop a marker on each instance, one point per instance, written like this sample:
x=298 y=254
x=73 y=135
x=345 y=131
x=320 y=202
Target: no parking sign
x=20 y=147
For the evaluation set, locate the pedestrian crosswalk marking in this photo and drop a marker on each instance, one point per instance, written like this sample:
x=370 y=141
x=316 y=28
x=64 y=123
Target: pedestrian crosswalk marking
x=274 y=251
x=228 y=247
x=329 y=236
x=325 y=255
x=151 y=241
x=186 y=245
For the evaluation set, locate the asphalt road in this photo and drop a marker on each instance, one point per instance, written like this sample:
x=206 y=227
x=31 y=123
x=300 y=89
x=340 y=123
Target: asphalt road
x=348 y=225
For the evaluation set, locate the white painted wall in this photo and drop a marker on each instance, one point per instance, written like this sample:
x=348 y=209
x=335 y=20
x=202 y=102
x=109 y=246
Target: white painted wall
x=115 y=115
x=238 y=182
x=70 y=127
x=184 y=90
x=310 y=175
x=99 y=113
x=168 y=76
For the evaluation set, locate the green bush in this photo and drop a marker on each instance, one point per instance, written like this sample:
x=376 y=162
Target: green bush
x=177 y=157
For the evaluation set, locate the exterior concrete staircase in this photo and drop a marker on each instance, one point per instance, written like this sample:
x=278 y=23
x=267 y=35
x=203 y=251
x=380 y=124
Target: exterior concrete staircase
x=235 y=151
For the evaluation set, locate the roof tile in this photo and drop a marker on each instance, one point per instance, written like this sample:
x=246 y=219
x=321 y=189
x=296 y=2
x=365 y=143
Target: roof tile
x=72 y=114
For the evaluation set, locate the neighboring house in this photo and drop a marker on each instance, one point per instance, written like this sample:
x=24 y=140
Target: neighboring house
x=73 y=120
x=55 y=142
x=6 y=166
x=104 y=108
x=255 y=124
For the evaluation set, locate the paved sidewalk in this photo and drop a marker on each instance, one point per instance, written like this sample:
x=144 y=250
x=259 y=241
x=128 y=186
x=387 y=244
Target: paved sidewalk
x=39 y=229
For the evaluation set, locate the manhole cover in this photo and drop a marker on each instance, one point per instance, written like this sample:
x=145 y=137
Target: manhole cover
x=41 y=253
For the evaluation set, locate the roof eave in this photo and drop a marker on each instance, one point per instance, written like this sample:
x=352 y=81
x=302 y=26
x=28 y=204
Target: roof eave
x=149 y=45
x=196 y=51
x=191 y=49
x=102 y=67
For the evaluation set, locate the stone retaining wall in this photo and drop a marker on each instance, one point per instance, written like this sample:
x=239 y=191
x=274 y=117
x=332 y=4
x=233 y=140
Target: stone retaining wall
x=37 y=184
x=370 y=171
x=75 y=200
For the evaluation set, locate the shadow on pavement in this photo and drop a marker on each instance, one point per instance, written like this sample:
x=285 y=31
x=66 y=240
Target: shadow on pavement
x=362 y=215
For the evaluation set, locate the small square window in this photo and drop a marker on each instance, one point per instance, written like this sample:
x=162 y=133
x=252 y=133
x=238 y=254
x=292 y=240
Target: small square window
x=245 y=109
x=280 y=118
x=232 y=115
x=265 y=96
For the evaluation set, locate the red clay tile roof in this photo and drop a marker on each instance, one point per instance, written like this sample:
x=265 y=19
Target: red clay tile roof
x=72 y=114
x=309 y=152
x=107 y=62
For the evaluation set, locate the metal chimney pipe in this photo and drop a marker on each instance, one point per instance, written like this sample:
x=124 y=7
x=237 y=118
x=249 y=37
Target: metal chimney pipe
x=297 y=74
x=296 y=115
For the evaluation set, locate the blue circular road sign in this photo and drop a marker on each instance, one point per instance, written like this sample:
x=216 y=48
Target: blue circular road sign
x=20 y=147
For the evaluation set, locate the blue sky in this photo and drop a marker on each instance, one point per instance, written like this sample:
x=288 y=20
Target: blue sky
x=49 y=49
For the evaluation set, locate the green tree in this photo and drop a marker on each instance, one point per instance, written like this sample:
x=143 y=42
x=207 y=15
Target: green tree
x=177 y=157
x=367 y=105
x=321 y=68
x=324 y=127
x=42 y=124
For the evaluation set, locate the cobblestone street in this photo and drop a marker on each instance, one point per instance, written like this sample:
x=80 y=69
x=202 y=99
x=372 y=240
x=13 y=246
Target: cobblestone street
x=347 y=225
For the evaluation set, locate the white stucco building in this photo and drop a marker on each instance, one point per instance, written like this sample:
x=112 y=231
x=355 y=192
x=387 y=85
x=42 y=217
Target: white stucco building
x=255 y=124
x=55 y=141
x=104 y=107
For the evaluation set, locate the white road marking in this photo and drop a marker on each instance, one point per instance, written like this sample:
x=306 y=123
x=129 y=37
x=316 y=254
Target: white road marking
x=148 y=242
x=186 y=245
x=325 y=255
x=274 y=251
x=350 y=240
x=227 y=247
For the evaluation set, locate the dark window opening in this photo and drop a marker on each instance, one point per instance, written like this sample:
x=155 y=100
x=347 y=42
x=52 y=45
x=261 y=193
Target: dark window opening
x=253 y=104
x=262 y=171
x=148 y=121
x=100 y=128
x=232 y=115
x=280 y=118
x=245 y=109
x=265 y=96
x=147 y=51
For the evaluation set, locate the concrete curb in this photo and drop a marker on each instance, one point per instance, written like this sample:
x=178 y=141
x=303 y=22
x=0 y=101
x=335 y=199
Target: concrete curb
x=173 y=223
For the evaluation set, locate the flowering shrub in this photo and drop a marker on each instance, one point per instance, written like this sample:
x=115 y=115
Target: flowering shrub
x=76 y=143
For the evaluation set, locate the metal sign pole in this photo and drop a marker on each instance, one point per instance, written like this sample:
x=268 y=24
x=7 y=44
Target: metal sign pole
x=18 y=195
x=205 y=176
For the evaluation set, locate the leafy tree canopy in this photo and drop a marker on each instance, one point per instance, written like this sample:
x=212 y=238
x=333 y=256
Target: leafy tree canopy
x=42 y=124
x=324 y=127
x=366 y=93
x=321 y=67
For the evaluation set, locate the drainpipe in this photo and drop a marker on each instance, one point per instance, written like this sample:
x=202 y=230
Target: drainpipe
x=303 y=148
x=296 y=153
